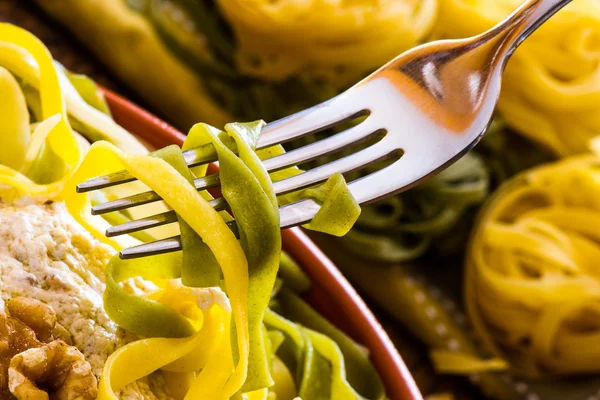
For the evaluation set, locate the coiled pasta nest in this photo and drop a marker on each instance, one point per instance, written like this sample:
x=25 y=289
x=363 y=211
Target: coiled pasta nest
x=277 y=39
x=532 y=278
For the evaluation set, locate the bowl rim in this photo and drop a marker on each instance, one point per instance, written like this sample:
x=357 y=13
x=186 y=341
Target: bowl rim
x=396 y=377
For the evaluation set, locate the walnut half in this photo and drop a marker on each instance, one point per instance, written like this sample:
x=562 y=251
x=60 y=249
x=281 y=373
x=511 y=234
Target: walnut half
x=36 y=363
x=38 y=316
x=56 y=366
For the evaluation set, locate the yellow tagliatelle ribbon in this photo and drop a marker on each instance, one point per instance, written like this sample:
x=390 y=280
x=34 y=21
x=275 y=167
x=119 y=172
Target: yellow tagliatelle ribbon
x=53 y=141
x=279 y=39
x=140 y=358
x=200 y=215
x=532 y=280
x=14 y=134
x=27 y=57
x=452 y=362
x=60 y=139
x=551 y=87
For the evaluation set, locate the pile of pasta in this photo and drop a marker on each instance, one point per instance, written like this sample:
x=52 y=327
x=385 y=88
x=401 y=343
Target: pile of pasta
x=332 y=38
x=551 y=87
x=206 y=349
x=532 y=280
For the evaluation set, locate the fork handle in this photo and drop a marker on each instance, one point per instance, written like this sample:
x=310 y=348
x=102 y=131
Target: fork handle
x=539 y=11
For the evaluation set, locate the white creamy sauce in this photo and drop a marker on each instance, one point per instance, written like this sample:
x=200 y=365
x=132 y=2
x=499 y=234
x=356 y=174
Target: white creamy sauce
x=46 y=255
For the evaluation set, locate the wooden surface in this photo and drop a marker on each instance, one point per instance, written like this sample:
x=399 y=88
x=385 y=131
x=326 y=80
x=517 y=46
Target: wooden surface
x=65 y=48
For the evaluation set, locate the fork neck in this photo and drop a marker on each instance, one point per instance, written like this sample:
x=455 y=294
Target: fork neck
x=530 y=15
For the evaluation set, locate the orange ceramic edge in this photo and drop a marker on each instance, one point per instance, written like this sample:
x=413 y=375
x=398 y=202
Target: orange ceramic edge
x=332 y=286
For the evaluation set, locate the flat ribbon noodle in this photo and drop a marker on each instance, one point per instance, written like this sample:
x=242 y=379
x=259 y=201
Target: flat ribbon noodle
x=60 y=139
x=140 y=358
x=361 y=375
x=15 y=133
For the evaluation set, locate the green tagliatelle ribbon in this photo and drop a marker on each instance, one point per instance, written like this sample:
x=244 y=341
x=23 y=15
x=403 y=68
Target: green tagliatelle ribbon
x=250 y=195
x=326 y=363
x=355 y=369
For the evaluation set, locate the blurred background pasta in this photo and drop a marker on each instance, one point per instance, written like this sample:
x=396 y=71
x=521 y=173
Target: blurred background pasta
x=532 y=288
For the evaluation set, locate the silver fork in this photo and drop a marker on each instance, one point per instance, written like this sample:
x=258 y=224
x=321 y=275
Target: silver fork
x=428 y=107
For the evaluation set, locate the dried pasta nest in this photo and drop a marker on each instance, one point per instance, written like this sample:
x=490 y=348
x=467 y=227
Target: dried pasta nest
x=532 y=282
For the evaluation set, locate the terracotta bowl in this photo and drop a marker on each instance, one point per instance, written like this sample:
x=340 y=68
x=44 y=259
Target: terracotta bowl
x=331 y=294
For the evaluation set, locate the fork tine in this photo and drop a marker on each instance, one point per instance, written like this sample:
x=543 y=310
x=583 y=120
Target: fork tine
x=329 y=145
x=363 y=190
x=154 y=221
x=371 y=154
x=139 y=199
x=309 y=121
x=377 y=152
x=174 y=243
x=151 y=249
x=201 y=155
x=291 y=215
x=303 y=154
x=141 y=224
x=105 y=181
x=126 y=202
x=163 y=245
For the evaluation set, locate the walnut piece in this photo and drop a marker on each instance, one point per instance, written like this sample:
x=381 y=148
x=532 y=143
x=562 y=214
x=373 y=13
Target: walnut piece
x=60 y=368
x=38 y=316
x=15 y=337
x=33 y=363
